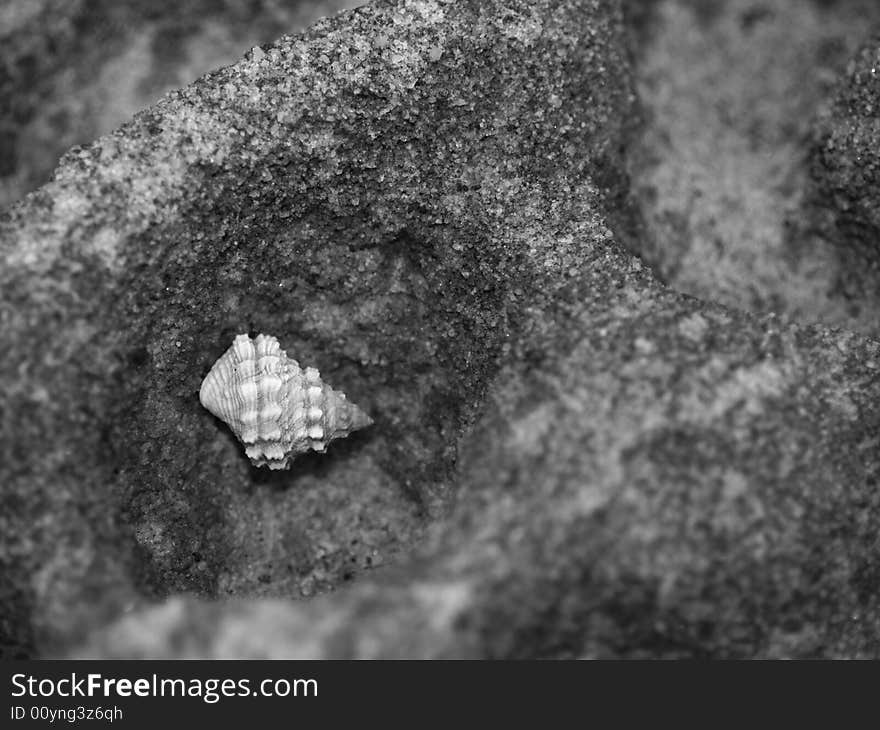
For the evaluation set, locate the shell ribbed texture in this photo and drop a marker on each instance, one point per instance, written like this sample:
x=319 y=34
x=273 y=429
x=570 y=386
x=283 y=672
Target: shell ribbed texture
x=276 y=408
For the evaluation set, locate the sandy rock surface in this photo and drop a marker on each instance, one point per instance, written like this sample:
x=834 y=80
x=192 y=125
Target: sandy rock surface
x=455 y=211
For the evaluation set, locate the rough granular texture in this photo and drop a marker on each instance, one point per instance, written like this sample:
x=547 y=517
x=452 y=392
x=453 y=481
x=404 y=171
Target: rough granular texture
x=71 y=70
x=846 y=171
x=346 y=191
x=428 y=201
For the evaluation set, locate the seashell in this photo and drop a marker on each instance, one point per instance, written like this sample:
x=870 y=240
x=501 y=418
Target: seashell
x=276 y=408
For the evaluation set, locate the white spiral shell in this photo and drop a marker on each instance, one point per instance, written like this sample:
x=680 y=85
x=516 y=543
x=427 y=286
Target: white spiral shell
x=276 y=408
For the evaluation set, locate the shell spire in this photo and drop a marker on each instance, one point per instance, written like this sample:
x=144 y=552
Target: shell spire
x=276 y=408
